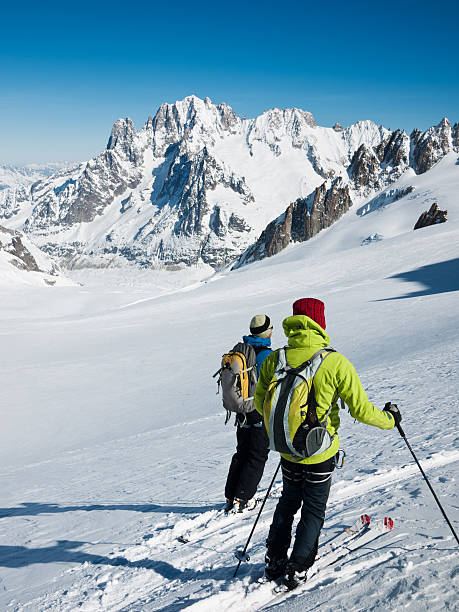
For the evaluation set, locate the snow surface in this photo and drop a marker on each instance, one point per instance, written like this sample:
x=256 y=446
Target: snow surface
x=113 y=444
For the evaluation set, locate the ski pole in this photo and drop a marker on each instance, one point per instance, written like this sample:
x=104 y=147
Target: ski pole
x=242 y=556
x=402 y=433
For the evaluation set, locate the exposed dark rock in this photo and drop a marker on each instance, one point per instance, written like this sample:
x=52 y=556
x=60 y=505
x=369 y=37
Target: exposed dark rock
x=12 y=242
x=219 y=223
x=455 y=137
x=431 y=217
x=429 y=147
x=14 y=246
x=364 y=169
x=237 y=224
x=22 y=253
x=329 y=203
x=181 y=201
x=216 y=222
x=274 y=238
x=64 y=252
x=301 y=221
x=338 y=127
x=394 y=150
x=127 y=203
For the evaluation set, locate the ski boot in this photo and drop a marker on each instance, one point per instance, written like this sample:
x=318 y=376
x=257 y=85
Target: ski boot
x=292 y=577
x=240 y=505
x=274 y=567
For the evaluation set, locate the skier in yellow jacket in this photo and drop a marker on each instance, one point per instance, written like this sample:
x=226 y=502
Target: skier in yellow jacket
x=306 y=481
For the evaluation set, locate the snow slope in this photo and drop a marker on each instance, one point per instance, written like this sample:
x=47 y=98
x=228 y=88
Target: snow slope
x=112 y=441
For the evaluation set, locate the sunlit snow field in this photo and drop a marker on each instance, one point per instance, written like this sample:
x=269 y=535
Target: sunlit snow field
x=113 y=444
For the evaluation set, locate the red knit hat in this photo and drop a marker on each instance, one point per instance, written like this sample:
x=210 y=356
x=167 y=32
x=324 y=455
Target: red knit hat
x=312 y=308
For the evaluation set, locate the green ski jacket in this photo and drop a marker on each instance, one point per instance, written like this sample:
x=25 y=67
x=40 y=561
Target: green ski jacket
x=336 y=378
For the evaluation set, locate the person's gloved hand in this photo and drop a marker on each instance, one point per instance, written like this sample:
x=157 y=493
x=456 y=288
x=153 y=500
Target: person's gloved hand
x=395 y=412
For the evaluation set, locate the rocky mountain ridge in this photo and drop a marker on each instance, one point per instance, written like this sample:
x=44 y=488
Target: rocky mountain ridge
x=199 y=185
x=371 y=169
x=301 y=221
x=22 y=261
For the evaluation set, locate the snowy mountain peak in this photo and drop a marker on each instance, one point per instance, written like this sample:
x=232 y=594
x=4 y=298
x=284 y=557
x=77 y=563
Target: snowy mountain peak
x=124 y=138
x=276 y=125
x=198 y=185
x=122 y=130
x=276 y=117
x=193 y=122
x=364 y=132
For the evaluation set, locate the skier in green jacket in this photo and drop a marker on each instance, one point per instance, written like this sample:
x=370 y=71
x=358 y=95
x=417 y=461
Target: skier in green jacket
x=306 y=482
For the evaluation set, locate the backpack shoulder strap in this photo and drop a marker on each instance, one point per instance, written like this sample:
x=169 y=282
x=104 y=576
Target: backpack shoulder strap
x=282 y=363
x=328 y=351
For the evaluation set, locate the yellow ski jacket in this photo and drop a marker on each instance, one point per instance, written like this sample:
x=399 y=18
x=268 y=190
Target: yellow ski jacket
x=336 y=378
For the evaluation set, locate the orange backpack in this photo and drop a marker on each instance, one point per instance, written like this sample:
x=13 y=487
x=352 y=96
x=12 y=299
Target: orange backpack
x=238 y=379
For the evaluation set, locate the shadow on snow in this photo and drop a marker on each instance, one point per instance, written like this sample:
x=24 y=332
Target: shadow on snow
x=442 y=277
x=34 y=509
x=64 y=552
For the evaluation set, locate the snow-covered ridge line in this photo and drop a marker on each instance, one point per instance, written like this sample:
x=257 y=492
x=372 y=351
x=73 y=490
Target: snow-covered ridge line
x=197 y=185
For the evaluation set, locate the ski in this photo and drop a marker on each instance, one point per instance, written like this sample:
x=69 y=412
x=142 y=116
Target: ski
x=357 y=528
x=358 y=536
x=187 y=536
x=373 y=531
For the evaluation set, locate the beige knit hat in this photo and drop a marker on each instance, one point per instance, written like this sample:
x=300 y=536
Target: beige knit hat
x=261 y=326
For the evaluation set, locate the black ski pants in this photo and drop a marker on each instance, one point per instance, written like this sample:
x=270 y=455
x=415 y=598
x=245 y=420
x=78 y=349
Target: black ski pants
x=308 y=487
x=248 y=462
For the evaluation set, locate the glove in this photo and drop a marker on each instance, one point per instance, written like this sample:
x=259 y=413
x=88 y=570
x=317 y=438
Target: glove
x=394 y=411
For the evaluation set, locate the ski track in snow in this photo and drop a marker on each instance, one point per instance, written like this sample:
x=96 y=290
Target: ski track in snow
x=213 y=535
x=107 y=459
x=157 y=572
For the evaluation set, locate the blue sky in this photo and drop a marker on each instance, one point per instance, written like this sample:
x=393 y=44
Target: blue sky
x=67 y=72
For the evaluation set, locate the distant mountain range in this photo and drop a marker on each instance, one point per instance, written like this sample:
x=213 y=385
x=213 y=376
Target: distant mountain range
x=198 y=185
x=19 y=176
